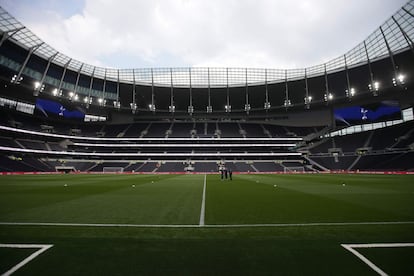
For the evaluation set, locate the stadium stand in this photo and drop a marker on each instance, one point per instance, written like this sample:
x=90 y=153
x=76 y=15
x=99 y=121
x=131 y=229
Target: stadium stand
x=56 y=112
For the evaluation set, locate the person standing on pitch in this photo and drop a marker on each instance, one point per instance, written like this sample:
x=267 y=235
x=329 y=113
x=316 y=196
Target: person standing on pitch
x=225 y=173
x=230 y=174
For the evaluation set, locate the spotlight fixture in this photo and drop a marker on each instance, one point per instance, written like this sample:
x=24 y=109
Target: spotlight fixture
x=151 y=107
x=38 y=88
x=117 y=104
x=87 y=100
x=400 y=80
x=227 y=108
x=374 y=86
x=16 y=79
x=209 y=109
x=247 y=107
x=190 y=109
x=287 y=103
x=308 y=99
x=351 y=92
x=73 y=96
x=101 y=101
x=328 y=97
x=171 y=108
x=267 y=105
x=56 y=92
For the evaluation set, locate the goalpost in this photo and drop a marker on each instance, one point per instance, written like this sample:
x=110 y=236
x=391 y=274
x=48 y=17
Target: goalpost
x=298 y=169
x=113 y=170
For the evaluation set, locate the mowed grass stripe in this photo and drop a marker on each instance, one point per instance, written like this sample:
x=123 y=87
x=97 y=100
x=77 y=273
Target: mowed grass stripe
x=33 y=191
x=389 y=195
x=171 y=199
x=163 y=199
x=380 y=197
x=254 y=199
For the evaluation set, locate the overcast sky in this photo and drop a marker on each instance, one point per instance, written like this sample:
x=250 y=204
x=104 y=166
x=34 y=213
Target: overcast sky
x=222 y=33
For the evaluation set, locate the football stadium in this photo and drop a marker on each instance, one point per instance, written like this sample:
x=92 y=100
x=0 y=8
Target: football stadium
x=207 y=170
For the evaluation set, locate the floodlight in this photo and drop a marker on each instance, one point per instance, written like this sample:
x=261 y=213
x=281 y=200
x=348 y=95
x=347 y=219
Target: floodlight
x=267 y=105
x=16 y=80
x=399 y=81
x=71 y=94
x=171 y=108
x=133 y=107
x=151 y=107
x=55 y=92
x=328 y=97
x=190 y=109
x=101 y=101
x=374 y=86
x=117 y=104
x=287 y=103
x=227 y=108
x=76 y=97
x=209 y=109
x=38 y=87
x=247 y=107
x=308 y=99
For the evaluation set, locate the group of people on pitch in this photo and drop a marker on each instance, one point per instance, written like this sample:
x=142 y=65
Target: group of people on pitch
x=226 y=173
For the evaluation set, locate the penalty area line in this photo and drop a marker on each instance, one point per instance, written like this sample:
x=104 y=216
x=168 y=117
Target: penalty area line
x=42 y=248
x=351 y=248
x=275 y=225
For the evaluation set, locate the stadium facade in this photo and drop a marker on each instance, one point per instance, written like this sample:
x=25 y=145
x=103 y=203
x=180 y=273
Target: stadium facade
x=351 y=113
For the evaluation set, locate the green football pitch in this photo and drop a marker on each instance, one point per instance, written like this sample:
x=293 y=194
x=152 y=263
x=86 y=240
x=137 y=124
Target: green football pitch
x=199 y=225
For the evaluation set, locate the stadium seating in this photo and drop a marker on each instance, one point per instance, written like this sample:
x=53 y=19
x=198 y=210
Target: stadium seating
x=48 y=151
x=386 y=148
x=383 y=149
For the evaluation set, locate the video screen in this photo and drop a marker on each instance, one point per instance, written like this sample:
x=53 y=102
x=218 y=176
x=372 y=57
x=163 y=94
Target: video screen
x=49 y=108
x=370 y=113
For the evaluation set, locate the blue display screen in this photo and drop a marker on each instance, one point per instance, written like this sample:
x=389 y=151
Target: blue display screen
x=354 y=115
x=56 y=109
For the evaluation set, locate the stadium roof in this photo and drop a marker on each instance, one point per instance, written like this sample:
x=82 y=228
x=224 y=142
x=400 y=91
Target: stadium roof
x=395 y=35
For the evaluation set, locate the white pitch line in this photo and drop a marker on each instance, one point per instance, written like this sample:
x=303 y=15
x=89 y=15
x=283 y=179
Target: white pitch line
x=380 y=245
x=350 y=248
x=119 y=225
x=275 y=225
x=203 y=203
x=42 y=248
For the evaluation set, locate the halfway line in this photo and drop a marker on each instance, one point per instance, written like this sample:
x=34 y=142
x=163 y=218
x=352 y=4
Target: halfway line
x=203 y=203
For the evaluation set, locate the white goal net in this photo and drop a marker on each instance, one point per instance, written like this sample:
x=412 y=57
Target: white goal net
x=113 y=169
x=294 y=169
